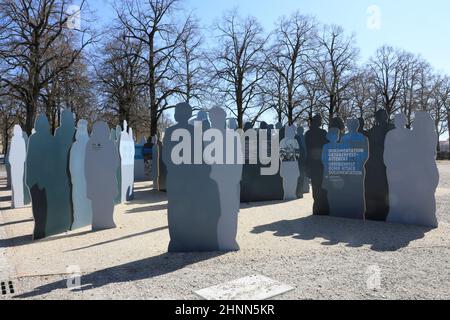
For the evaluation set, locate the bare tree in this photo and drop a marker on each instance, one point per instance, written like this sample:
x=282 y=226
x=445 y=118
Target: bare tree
x=28 y=30
x=149 y=22
x=237 y=64
x=293 y=45
x=334 y=64
x=387 y=67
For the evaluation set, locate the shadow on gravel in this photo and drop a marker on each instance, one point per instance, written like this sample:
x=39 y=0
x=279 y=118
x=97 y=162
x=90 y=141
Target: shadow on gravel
x=157 y=207
x=379 y=236
x=133 y=271
x=121 y=238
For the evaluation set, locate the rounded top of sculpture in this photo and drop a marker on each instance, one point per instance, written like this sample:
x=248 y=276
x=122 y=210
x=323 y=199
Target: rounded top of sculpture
x=333 y=135
x=247 y=126
x=41 y=124
x=353 y=125
x=125 y=125
x=316 y=121
x=183 y=112
x=400 y=121
x=17 y=131
x=100 y=132
x=218 y=117
x=381 y=116
x=82 y=129
x=263 y=125
x=67 y=119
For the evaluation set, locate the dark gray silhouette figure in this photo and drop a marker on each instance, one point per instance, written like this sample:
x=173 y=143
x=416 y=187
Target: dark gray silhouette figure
x=8 y=168
x=193 y=197
x=315 y=139
x=159 y=170
x=344 y=165
x=412 y=190
x=303 y=183
x=26 y=190
x=376 y=184
x=17 y=157
x=59 y=189
x=228 y=177
x=118 y=198
x=101 y=163
x=39 y=172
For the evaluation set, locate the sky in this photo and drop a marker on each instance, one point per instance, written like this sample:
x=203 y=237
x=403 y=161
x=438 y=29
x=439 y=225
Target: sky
x=418 y=26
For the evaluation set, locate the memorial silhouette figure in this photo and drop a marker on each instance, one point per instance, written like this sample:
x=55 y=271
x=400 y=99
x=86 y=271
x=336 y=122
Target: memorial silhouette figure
x=228 y=178
x=118 y=199
x=193 y=197
x=26 y=190
x=59 y=188
x=344 y=165
x=159 y=170
x=82 y=208
x=303 y=183
x=101 y=163
x=315 y=139
x=202 y=116
x=376 y=184
x=412 y=191
x=39 y=172
x=8 y=168
x=126 y=150
x=289 y=169
x=17 y=157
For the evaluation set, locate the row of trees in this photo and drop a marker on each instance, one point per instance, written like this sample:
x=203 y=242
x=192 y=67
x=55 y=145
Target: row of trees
x=154 y=56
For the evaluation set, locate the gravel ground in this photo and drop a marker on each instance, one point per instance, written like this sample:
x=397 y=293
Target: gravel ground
x=322 y=257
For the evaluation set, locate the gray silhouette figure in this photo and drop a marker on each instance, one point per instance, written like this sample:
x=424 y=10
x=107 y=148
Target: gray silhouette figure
x=193 y=197
x=126 y=150
x=8 y=168
x=289 y=169
x=228 y=178
x=412 y=191
x=159 y=171
x=17 y=157
x=101 y=163
x=59 y=190
x=202 y=116
x=376 y=184
x=39 y=172
x=82 y=210
x=303 y=181
x=26 y=190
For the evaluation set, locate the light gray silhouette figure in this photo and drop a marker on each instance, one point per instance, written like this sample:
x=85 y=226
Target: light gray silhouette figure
x=412 y=190
x=228 y=177
x=289 y=169
x=17 y=157
x=193 y=197
x=126 y=150
x=118 y=198
x=82 y=210
x=59 y=188
x=101 y=163
x=39 y=171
